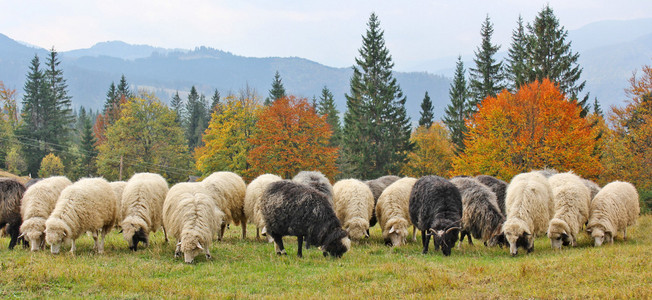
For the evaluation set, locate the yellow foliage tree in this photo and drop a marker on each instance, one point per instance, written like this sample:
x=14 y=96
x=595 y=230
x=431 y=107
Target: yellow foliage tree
x=433 y=152
x=146 y=138
x=628 y=149
x=51 y=165
x=226 y=140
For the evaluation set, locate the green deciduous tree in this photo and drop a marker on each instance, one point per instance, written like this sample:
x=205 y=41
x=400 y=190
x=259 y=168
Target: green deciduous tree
x=51 y=166
x=376 y=135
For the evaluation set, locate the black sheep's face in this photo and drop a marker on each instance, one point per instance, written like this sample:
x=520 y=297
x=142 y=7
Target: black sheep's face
x=497 y=240
x=446 y=239
x=338 y=247
x=139 y=236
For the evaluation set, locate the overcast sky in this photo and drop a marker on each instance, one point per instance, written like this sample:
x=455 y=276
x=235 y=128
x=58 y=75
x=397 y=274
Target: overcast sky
x=328 y=32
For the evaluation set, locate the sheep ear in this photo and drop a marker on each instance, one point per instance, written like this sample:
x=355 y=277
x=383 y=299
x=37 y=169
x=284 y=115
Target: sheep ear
x=589 y=230
x=366 y=234
x=64 y=234
x=179 y=244
x=392 y=230
x=199 y=246
x=526 y=233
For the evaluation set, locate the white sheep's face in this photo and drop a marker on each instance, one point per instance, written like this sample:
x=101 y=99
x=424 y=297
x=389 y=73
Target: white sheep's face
x=36 y=240
x=397 y=236
x=598 y=236
x=55 y=240
x=189 y=256
x=518 y=238
x=558 y=239
x=356 y=232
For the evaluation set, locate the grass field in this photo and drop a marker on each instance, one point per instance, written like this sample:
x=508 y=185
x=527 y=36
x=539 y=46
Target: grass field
x=250 y=269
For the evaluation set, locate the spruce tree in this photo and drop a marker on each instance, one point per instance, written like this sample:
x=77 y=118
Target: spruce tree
x=277 y=91
x=517 y=58
x=62 y=117
x=177 y=106
x=215 y=102
x=550 y=56
x=326 y=106
x=597 y=110
x=459 y=108
x=34 y=116
x=427 y=115
x=376 y=136
x=197 y=117
x=123 y=89
x=486 y=79
x=111 y=96
x=87 y=144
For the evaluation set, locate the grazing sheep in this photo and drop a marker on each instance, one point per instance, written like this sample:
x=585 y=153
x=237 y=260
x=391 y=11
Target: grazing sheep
x=594 y=188
x=354 y=205
x=193 y=218
x=252 y=201
x=291 y=208
x=142 y=206
x=572 y=199
x=11 y=191
x=377 y=187
x=228 y=191
x=529 y=209
x=481 y=217
x=436 y=209
x=87 y=205
x=393 y=211
x=497 y=186
x=118 y=187
x=37 y=205
x=613 y=209
x=316 y=180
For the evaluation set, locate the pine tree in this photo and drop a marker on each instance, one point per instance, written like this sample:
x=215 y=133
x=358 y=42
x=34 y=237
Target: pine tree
x=486 y=79
x=87 y=144
x=459 y=108
x=177 y=106
x=123 y=88
x=277 y=91
x=197 y=117
x=597 y=110
x=517 y=57
x=215 y=102
x=326 y=106
x=59 y=99
x=376 y=136
x=111 y=96
x=427 y=115
x=551 y=57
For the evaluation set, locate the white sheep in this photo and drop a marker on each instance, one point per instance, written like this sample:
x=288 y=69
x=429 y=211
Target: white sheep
x=193 y=218
x=393 y=211
x=87 y=205
x=354 y=204
x=529 y=208
x=252 y=201
x=228 y=191
x=118 y=187
x=572 y=199
x=613 y=209
x=37 y=205
x=142 y=206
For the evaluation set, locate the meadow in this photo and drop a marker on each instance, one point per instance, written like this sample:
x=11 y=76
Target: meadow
x=250 y=269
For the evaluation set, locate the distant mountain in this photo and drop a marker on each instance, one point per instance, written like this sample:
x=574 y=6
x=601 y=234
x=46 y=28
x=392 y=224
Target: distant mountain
x=605 y=33
x=119 y=49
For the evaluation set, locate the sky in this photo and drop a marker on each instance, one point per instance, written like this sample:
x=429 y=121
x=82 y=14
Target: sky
x=329 y=32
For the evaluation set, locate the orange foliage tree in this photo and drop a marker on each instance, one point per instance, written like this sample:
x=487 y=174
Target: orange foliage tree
x=103 y=121
x=628 y=149
x=533 y=128
x=291 y=137
x=433 y=152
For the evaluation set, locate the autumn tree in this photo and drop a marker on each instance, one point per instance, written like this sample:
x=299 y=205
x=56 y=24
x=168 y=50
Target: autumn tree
x=51 y=166
x=8 y=122
x=145 y=138
x=115 y=97
x=376 y=134
x=291 y=137
x=533 y=128
x=226 y=140
x=433 y=152
x=628 y=149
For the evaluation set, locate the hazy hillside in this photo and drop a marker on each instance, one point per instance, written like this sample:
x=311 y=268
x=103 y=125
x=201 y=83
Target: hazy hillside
x=609 y=52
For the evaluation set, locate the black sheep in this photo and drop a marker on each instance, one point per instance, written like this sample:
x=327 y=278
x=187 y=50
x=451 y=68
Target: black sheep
x=11 y=193
x=436 y=209
x=497 y=186
x=291 y=208
x=377 y=187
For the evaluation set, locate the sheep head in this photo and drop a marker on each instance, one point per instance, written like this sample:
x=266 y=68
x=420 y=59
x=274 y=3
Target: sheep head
x=191 y=246
x=357 y=228
x=518 y=235
x=445 y=238
x=599 y=235
x=558 y=233
x=397 y=232
x=56 y=233
x=33 y=230
x=135 y=230
x=337 y=243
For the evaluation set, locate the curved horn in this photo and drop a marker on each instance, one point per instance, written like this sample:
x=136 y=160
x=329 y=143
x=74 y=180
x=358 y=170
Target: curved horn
x=179 y=244
x=21 y=235
x=199 y=246
x=452 y=228
x=431 y=232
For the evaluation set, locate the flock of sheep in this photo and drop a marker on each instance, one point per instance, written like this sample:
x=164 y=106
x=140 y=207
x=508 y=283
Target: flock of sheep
x=56 y=211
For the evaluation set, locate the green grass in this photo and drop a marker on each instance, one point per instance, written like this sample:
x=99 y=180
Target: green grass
x=250 y=269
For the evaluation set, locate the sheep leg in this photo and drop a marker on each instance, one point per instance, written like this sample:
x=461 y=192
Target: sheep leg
x=244 y=229
x=278 y=242
x=414 y=233
x=100 y=248
x=425 y=240
x=165 y=233
x=257 y=234
x=14 y=232
x=300 y=240
x=625 y=234
x=72 y=247
x=219 y=238
x=95 y=234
